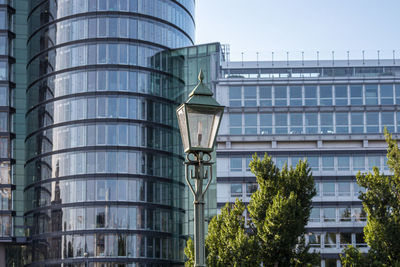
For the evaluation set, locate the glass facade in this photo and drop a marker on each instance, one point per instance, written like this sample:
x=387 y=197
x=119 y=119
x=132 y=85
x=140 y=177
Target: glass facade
x=103 y=155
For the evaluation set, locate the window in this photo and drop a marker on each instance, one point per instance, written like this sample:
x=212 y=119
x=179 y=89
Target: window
x=359 y=214
x=325 y=94
x=265 y=123
x=236 y=164
x=358 y=163
x=4 y=153
x=281 y=161
x=372 y=122
x=248 y=160
x=235 y=96
x=235 y=122
x=397 y=89
x=3 y=122
x=345 y=239
x=326 y=123
x=387 y=120
x=314 y=240
x=315 y=215
x=345 y=214
x=357 y=122
x=328 y=189
x=329 y=214
x=250 y=96
x=3 y=96
x=356 y=94
x=357 y=189
x=374 y=161
x=386 y=94
x=313 y=161
x=371 y=94
x=296 y=123
x=310 y=95
x=250 y=123
x=343 y=163
x=251 y=188
x=344 y=188
x=341 y=95
x=265 y=96
x=360 y=240
x=330 y=240
x=342 y=122
x=295 y=95
x=236 y=190
x=317 y=185
x=328 y=163
x=281 y=123
x=280 y=96
x=311 y=121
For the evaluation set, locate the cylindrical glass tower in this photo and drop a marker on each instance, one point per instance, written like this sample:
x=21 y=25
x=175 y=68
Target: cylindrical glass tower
x=103 y=169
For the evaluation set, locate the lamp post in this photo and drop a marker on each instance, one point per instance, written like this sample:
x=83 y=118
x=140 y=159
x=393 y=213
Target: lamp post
x=199 y=119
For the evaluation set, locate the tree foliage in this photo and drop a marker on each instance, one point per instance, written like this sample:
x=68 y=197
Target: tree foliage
x=381 y=202
x=278 y=211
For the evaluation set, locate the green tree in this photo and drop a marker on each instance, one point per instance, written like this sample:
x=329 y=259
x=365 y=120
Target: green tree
x=189 y=252
x=279 y=211
x=381 y=202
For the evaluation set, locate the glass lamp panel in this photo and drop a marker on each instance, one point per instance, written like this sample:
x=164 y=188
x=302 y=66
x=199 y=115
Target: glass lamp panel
x=201 y=121
x=181 y=113
x=215 y=126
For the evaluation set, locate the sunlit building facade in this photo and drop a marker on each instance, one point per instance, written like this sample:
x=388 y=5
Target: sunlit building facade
x=330 y=113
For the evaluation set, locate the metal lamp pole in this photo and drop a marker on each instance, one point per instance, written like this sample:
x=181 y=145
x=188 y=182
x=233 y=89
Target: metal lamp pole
x=200 y=161
x=199 y=119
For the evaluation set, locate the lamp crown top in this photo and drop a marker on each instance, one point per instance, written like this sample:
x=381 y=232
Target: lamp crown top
x=201 y=76
x=201 y=88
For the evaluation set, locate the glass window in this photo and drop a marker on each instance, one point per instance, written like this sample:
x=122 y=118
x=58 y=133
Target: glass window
x=310 y=95
x=372 y=122
x=315 y=215
x=3 y=96
x=387 y=120
x=357 y=122
x=3 y=122
x=345 y=239
x=325 y=94
x=359 y=163
x=328 y=189
x=251 y=188
x=235 y=96
x=296 y=123
x=397 y=89
x=343 y=163
x=329 y=214
x=295 y=95
x=311 y=121
x=356 y=94
x=345 y=214
x=330 y=240
x=326 y=123
x=236 y=190
x=281 y=162
x=371 y=94
x=386 y=94
x=328 y=163
x=250 y=96
x=341 y=95
x=236 y=164
x=359 y=214
x=357 y=189
x=360 y=240
x=314 y=240
x=265 y=123
x=235 y=122
x=313 y=162
x=248 y=160
x=374 y=161
x=281 y=123
x=342 y=122
x=280 y=96
x=317 y=186
x=250 y=123
x=265 y=96
x=344 y=188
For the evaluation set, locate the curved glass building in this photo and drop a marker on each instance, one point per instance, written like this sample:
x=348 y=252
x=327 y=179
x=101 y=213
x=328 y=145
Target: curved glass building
x=103 y=162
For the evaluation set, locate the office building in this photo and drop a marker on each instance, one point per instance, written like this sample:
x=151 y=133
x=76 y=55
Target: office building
x=331 y=113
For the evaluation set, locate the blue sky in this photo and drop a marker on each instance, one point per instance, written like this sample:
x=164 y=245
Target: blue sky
x=263 y=26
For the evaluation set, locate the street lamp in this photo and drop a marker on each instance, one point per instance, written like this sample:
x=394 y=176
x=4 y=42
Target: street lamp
x=199 y=119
